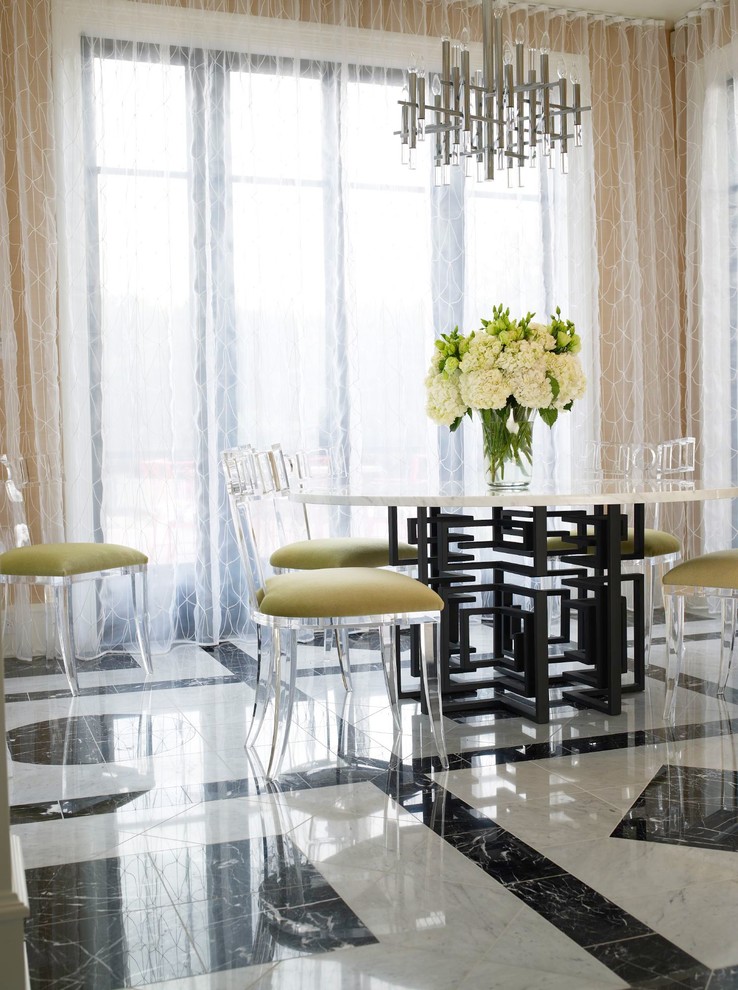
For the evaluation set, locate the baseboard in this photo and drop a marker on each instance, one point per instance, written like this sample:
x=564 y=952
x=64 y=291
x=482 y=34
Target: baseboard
x=17 y=873
x=13 y=912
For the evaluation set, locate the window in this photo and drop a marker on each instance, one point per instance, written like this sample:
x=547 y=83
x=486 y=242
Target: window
x=251 y=263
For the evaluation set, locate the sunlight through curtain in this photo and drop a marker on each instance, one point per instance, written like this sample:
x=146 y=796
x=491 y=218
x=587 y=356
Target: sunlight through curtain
x=243 y=258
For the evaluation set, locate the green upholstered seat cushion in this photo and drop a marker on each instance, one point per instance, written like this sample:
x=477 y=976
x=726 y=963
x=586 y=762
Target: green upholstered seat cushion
x=711 y=570
x=349 y=551
x=656 y=543
x=66 y=559
x=345 y=591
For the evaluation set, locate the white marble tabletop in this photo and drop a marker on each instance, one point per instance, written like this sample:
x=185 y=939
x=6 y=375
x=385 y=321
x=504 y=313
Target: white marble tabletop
x=372 y=490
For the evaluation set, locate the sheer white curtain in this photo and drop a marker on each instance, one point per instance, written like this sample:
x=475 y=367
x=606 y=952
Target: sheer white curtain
x=706 y=53
x=242 y=258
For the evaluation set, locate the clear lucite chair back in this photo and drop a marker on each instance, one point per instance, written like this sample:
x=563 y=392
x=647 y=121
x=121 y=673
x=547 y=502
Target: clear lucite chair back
x=28 y=485
x=322 y=462
x=641 y=461
x=672 y=460
x=244 y=491
x=678 y=457
x=14 y=528
x=263 y=516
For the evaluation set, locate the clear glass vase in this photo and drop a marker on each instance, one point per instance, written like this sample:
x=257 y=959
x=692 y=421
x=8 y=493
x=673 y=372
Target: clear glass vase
x=507 y=436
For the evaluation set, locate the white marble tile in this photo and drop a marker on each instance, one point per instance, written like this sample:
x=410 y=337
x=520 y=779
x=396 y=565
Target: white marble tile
x=627 y=868
x=370 y=967
x=718 y=753
x=345 y=802
x=176 y=768
x=95 y=837
x=231 y=979
x=700 y=918
x=610 y=768
x=399 y=843
x=383 y=967
x=227 y=820
x=547 y=955
x=568 y=814
x=427 y=908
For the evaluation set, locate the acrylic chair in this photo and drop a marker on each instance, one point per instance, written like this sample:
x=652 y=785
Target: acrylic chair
x=57 y=567
x=713 y=575
x=311 y=552
x=299 y=549
x=652 y=462
x=340 y=598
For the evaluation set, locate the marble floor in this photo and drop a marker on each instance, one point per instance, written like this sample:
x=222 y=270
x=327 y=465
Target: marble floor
x=594 y=852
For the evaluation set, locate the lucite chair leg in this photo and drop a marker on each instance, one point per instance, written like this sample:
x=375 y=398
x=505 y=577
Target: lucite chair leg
x=727 y=644
x=342 y=649
x=66 y=636
x=50 y=622
x=4 y=599
x=674 y=607
x=431 y=688
x=263 y=686
x=387 y=634
x=141 y=620
x=285 y=669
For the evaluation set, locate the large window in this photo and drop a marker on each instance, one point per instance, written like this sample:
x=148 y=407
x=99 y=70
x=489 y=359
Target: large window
x=257 y=266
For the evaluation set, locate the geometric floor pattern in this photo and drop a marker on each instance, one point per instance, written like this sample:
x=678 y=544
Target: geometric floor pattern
x=157 y=855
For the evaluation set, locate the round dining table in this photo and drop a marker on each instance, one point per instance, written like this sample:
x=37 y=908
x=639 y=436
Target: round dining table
x=512 y=559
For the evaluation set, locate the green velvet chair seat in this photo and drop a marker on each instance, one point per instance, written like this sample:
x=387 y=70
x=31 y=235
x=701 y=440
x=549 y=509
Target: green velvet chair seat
x=343 y=591
x=348 y=551
x=711 y=570
x=656 y=543
x=66 y=559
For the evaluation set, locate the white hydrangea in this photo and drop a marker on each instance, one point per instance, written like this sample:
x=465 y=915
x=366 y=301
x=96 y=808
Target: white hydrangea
x=544 y=334
x=567 y=371
x=523 y=364
x=443 y=400
x=483 y=385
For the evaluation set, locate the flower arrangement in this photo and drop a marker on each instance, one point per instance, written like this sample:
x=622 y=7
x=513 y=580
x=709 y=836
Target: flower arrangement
x=507 y=370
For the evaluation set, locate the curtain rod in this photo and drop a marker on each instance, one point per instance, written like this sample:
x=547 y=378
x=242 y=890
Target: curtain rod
x=596 y=15
x=691 y=15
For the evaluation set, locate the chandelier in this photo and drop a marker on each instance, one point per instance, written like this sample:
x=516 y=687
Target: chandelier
x=500 y=117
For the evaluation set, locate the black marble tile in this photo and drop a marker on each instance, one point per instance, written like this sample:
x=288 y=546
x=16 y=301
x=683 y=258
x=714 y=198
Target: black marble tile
x=130 y=883
x=578 y=910
x=157 y=798
x=43 y=811
x=503 y=856
x=59 y=742
x=237 y=661
x=136 y=687
x=255 y=900
x=651 y=962
x=688 y=806
x=168 y=915
x=103 y=738
x=293 y=911
x=41 y=667
x=724 y=979
x=109 y=949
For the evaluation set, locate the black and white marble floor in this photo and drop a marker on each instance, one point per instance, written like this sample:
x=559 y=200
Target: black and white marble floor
x=591 y=853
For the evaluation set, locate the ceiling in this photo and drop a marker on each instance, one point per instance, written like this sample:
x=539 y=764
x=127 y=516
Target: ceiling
x=665 y=10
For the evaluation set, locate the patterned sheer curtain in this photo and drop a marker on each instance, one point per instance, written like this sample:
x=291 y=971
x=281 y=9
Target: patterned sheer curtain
x=241 y=257
x=706 y=56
